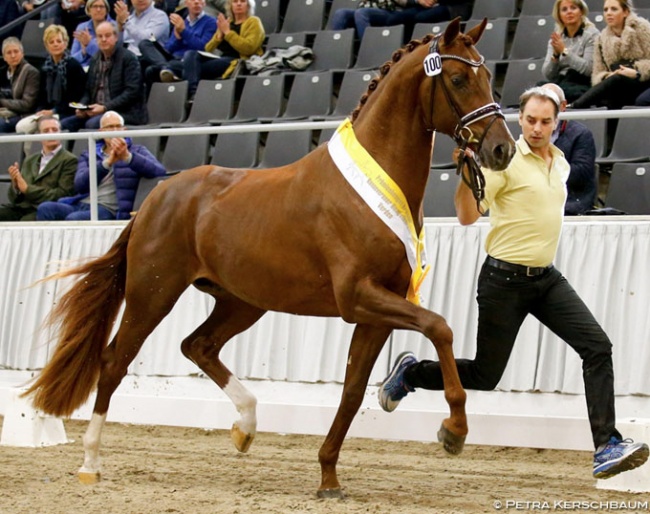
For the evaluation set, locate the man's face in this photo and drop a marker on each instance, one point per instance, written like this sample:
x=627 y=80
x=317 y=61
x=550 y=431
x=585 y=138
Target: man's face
x=12 y=55
x=195 y=6
x=49 y=127
x=538 y=122
x=106 y=38
x=111 y=122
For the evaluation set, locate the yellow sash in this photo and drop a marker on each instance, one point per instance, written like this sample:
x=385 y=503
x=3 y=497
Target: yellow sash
x=383 y=196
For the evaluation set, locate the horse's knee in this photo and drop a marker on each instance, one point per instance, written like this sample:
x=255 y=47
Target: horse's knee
x=194 y=348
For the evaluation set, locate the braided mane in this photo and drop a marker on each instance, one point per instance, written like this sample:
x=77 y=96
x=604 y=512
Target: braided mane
x=385 y=68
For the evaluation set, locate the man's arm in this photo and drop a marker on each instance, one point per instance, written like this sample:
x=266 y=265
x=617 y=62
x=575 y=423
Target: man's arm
x=64 y=186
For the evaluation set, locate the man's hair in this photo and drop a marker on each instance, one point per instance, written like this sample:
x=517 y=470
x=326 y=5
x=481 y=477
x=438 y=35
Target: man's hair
x=46 y=118
x=542 y=93
x=111 y=113
x=55 y=30
x=12 y=41
x=112 y=24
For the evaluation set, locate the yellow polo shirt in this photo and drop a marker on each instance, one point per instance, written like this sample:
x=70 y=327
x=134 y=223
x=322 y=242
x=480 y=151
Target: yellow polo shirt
x=526 y=203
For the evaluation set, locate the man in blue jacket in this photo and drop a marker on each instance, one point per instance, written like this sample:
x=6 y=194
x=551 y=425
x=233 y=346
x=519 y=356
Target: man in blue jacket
x=120 y=164
x=190 y=33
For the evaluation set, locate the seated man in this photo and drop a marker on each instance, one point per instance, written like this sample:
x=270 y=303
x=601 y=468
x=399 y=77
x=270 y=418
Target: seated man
x=120 y=164
x=114 y=84
x=46 y=175
x=190 y=33
x=577 y=143
x=143 y=23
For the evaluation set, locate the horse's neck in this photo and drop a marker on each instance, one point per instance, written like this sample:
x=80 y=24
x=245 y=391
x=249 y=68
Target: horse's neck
x=393 y=132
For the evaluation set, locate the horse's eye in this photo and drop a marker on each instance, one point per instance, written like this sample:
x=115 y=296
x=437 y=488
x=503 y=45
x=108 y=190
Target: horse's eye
x=457 y=81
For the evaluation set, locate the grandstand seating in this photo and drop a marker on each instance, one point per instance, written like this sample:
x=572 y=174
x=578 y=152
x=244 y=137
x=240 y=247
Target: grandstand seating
x=236 y=150
x=629 y=188
x=269 y=12
x=439 y=193
x=304 y=16
x=378 y=45
x=285 y=147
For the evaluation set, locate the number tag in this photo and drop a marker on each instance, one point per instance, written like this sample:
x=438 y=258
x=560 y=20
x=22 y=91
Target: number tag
x=433 y=64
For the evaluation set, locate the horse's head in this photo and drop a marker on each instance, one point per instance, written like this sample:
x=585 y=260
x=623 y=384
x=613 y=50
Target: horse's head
x=460 y=80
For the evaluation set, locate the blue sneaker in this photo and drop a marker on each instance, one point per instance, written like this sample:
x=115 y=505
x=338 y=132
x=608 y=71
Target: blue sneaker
x=618 y=456
x=394 y=388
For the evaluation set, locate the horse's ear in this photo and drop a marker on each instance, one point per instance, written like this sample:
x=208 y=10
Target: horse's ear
x=452 y=30
x=477 y=31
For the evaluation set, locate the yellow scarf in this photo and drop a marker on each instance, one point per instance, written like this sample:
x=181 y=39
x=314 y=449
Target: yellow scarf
x=383 y=196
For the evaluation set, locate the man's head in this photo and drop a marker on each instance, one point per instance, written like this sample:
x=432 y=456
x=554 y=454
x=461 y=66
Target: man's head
x=49 y=125
x=538 y=116
x=107 y=36
x=141 y=5
x=559 y=92
x=12 y=52
x=194 y=7
x=111 y=120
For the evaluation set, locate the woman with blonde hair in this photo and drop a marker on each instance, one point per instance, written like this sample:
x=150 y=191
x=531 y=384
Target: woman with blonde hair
x=569 y=57
x=85 y=40
x=62 y=80
x=238 y=36
x=621 y=68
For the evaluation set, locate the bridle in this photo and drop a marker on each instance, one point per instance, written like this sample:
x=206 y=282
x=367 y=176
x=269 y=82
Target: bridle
x=463 y=134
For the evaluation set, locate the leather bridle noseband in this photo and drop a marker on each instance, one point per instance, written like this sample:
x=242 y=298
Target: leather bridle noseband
x=463 y=135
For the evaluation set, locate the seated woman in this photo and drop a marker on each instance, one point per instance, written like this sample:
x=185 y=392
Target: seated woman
x=621 y=59
x=63 y=80
x=85 y=41
x=569 y=58
x=238 y=36
x=18 y=85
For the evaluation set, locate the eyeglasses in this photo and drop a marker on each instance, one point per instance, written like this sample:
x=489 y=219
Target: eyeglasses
x=112 y=127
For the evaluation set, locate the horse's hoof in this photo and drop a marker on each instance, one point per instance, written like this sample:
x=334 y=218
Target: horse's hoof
x=452 y=443
x=335 y=494
x=241 y=440
x=91 y=478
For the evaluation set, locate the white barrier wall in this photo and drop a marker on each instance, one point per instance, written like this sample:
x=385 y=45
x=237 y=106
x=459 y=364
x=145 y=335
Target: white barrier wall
x=605 y=259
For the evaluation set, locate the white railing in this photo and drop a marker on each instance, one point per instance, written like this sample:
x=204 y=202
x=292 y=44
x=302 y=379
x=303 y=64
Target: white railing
x=92 y=137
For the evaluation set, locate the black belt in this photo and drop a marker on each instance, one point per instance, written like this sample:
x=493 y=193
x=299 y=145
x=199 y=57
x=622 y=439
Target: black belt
x=528 y=271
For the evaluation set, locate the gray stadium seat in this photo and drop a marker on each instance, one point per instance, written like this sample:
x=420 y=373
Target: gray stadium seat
x=519 y=76
x=531 y=37
x=310 y=95
x=236 y=150
x=285 y=147
x=629 y=188
x=378 y=45
x=269 y=12
x=333 y=50
x=439 y=193
x=166 y=103
x=304 y=16
x=183 y=152
x=494 y=9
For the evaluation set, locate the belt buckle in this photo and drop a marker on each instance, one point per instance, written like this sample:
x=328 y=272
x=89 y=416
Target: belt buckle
x=528 y=272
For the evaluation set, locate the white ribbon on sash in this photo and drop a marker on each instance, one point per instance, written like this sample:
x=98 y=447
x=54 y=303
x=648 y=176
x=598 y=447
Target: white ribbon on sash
x=383 y=196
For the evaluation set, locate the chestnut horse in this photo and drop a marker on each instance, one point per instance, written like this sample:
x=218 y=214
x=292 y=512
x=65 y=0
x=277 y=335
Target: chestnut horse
x=295 y=239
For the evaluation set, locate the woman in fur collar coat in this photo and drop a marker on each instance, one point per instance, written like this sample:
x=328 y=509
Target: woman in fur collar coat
x=621 y=69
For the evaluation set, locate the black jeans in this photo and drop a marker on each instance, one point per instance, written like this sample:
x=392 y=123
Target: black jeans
x=614 y=92
x=504 y=300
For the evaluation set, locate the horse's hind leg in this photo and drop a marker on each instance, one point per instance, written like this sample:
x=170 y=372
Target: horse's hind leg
x=229 y=317
x=142 y=314
x=367 y=342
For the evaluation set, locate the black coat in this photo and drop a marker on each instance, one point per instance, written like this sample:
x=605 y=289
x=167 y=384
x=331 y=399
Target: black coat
x=75 y=88
x=124 y=84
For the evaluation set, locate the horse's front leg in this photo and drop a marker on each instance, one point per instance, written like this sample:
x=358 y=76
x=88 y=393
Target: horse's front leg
x=378 y=306
x=366 y=344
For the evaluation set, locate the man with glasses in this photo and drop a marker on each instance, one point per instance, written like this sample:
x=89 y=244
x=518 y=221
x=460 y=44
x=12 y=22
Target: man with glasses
x=120 y=164
x=46 y=175
x=114 y=84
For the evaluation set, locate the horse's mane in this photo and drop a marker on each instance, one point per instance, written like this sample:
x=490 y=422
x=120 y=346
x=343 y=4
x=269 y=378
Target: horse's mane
x=386 y=67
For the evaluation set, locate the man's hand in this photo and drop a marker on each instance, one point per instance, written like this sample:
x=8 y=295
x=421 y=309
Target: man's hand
x=121 y=12
x=117 y=151
x=95 y=110
x=178 y=23
x=17 y=178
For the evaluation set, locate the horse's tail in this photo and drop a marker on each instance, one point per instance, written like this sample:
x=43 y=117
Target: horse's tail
x=84 y=317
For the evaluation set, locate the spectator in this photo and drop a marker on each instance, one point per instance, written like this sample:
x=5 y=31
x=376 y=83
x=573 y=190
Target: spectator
x=238 y=36
x=145 y=22
x=47 y=175
x=384 y=13
x=518 y=278
x=577 y=143
x=190 y=33
x=212 y=7
x=114 y=84
x=85 y=39
x=120 y=164
x=62 y=81
x=570 y=54
x=621 y=59
x=18 y=86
